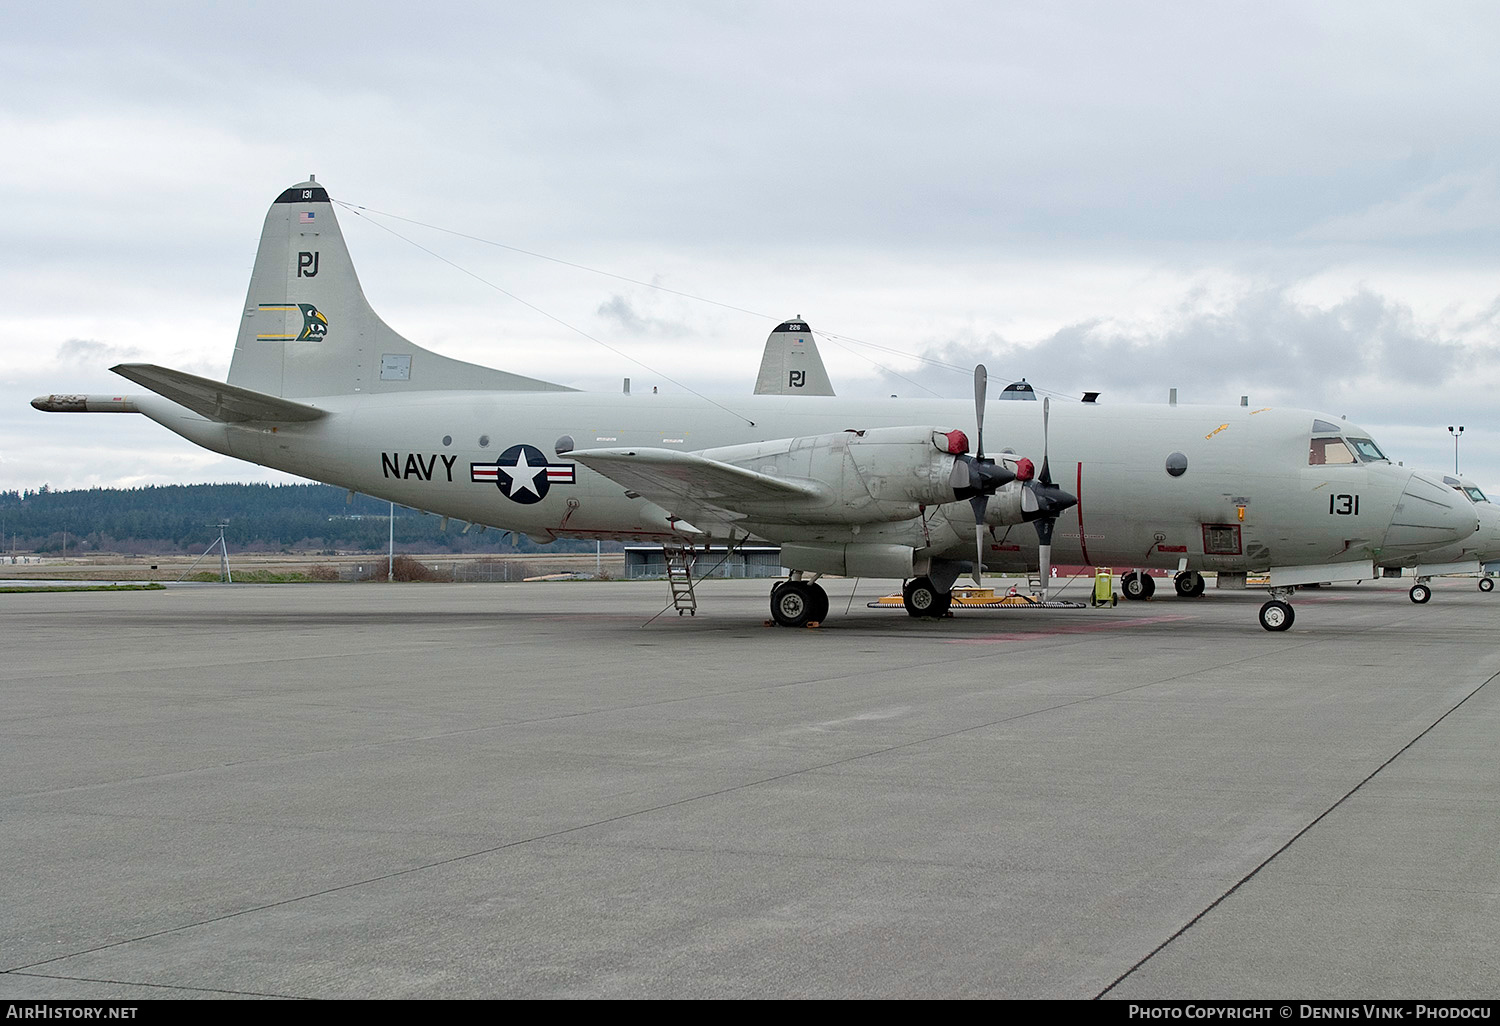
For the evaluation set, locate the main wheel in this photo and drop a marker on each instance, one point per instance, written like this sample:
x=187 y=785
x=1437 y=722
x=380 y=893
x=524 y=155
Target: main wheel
x=1276 y=616
x=1420 y=593
x=819 y=599
x=1486 y=584
x=1190 y=584
x=792 y=603
x=922 y=598
x=1137 y=585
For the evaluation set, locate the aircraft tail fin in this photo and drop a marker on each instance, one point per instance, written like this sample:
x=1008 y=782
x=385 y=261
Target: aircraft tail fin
x=307 y=329
x=791 y=364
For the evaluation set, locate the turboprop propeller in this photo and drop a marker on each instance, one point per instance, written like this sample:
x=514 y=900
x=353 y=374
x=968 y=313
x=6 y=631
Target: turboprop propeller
x=984 y=475
x=1042 y=501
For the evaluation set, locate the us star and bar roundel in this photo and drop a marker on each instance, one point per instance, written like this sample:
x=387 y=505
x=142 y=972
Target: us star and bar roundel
x=523 y=473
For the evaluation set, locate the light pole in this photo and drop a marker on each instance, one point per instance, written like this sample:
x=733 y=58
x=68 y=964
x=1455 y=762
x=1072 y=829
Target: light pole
x=1455 y=435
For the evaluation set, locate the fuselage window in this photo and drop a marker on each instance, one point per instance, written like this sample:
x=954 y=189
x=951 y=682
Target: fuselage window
x=1368 y=450
x=1329 y=451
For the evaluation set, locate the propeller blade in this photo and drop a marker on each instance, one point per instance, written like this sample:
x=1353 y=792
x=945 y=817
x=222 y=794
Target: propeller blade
x=981 y=382
x=1044 y=552
x=1046 y=476
x=979 y=504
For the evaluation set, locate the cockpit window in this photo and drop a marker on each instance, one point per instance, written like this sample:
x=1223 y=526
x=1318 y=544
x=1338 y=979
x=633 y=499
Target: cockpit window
x=1474 y=493
x=1368 y=450
x=1329 y=450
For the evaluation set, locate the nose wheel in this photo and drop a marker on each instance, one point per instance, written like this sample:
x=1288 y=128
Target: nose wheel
x=1486 y=584
x=1420 y=593
x=1277 y=615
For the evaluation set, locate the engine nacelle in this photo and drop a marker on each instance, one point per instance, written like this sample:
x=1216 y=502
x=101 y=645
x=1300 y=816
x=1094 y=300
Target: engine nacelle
x=879 y=474
x=854 y=560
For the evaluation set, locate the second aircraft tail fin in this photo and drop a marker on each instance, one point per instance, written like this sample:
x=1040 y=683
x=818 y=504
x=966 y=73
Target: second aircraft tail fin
x=791 y=364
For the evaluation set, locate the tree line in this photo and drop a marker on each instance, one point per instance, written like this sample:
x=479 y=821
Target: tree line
x=258 y=517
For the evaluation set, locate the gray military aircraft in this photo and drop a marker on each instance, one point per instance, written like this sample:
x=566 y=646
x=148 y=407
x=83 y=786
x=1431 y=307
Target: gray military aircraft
x=321 y=387
x=1465 y=557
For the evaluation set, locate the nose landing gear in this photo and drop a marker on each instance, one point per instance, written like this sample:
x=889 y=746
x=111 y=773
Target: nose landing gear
x=1277 y=614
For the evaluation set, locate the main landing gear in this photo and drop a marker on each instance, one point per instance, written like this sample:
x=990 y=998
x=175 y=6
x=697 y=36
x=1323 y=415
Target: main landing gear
x=1190 y=584
x=798 y=603
x=1137 y=585
x=1486 y=584
x=923 y=598
x=1277 y=614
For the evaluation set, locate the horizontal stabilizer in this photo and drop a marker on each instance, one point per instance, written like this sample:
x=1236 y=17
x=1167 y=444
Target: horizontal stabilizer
x=683 y=481
x=214 y=399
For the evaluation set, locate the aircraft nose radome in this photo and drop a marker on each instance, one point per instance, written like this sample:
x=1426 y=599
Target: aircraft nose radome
x=1489 y=533
x=1430 y=514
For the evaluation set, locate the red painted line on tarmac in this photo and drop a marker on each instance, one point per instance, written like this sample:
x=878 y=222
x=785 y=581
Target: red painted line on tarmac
x=1000 y=639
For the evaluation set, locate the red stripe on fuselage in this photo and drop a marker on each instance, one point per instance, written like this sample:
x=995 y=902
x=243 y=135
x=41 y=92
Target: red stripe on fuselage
x=1082 y=545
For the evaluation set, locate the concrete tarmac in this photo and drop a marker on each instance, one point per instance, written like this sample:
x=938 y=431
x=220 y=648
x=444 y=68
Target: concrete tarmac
x=385 y=791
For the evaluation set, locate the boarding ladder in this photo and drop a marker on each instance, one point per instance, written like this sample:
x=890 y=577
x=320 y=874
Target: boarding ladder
x=680 y=560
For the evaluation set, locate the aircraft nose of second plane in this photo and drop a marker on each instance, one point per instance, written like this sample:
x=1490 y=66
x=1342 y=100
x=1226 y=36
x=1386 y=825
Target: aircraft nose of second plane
x=1488 y=544
x=1430 y=514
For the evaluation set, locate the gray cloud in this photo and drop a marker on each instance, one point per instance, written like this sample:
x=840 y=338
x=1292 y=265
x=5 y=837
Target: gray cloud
x=94 y=354
x=772 y=155
x=1266 y=344
x=621 y=313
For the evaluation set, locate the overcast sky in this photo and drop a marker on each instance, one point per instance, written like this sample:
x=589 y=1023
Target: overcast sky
x=1299 y=202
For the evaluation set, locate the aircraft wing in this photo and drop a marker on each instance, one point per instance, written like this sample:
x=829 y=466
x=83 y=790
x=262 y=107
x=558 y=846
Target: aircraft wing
x=215 y=399
x=694 y=486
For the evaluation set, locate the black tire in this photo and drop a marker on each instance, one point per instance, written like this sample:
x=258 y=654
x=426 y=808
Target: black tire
x=1190 y=584
x=922 y=598
x=792 y=604
x=1420 y=593
x=1137 y=585
x=819 y=599
x=1276 y=616
x=1486 y=584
